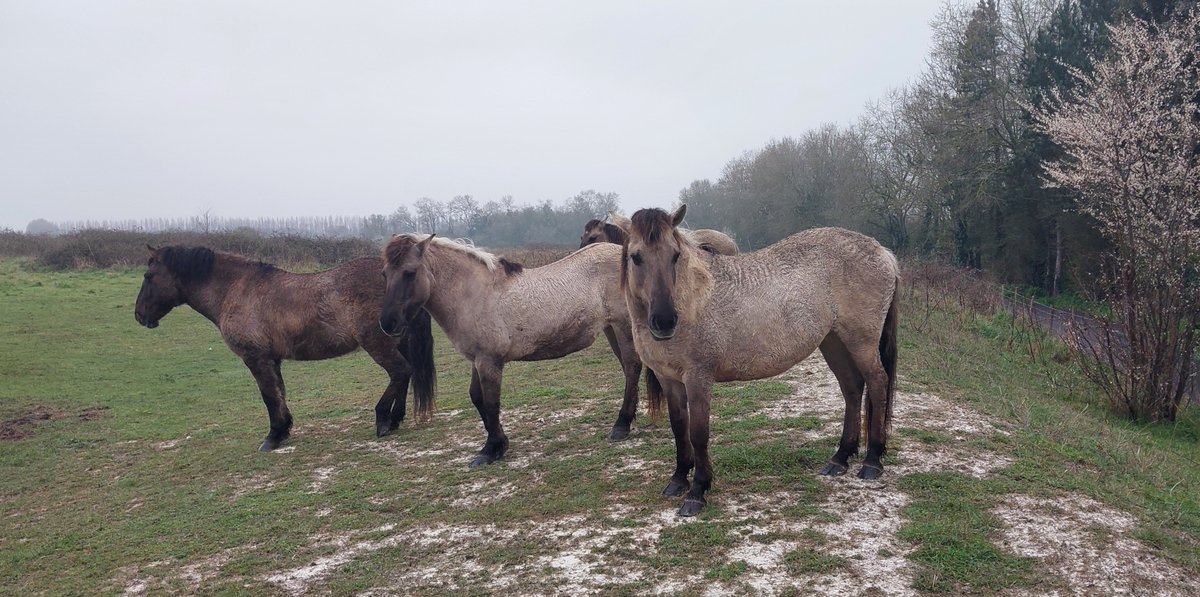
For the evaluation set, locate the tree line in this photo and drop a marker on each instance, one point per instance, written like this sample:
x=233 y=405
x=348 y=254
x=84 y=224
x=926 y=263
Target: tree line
x=953 y=163
x=495 y=223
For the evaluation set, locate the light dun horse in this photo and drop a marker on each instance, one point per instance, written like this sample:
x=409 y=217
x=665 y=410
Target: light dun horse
x=267 y=315
x=700 y=318
x=494 y=312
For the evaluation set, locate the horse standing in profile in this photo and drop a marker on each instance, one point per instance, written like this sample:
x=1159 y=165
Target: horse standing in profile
x=700 y=318
x=267 y=315
x=495 y=311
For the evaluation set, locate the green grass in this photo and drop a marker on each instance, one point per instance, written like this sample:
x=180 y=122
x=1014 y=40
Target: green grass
x=1065 y=440
x=147 y=461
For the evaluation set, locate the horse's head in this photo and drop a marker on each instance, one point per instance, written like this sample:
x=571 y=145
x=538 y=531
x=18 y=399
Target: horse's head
x=599 y=231
x=654 y=254
x=593 y=232
x=168 y=271
x=408 y=283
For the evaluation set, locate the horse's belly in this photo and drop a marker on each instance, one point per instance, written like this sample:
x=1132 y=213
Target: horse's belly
x=569 y=339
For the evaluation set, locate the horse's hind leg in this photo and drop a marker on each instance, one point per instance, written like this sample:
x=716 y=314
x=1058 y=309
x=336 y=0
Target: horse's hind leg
x=270 y=384
x=390 y=409
x=851 y=383
x=631 y=364
x=866 y=358
x=485 y=395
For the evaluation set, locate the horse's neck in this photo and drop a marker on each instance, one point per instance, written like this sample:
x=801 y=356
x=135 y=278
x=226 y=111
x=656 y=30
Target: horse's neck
x=697 y=281
x=461 y=288
x=207 y=297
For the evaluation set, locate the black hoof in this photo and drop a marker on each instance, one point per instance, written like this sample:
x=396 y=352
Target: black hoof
x=691 y=507
x=675 y=488
x=834 y=469
x=270 y=444
x=870 y=472
x=482 y=460
x=618 y=433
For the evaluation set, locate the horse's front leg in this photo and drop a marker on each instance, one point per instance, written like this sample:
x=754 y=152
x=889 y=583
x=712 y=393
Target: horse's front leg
x=677 y=411
x=266 y=372
x=485 y=395
x=699 y=395
x=631 y=365
x=390 y=409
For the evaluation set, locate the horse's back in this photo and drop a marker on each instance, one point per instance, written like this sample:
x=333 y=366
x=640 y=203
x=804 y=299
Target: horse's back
x=559 y=308
x=783 y=300
x=307 y=316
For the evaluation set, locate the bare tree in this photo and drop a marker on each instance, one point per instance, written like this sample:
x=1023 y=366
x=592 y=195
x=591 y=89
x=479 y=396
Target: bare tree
x=1131 y=136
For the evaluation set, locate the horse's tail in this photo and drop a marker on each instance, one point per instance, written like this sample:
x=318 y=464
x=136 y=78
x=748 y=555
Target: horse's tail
x=420 y=356
x=887 y=353
x=654 y=395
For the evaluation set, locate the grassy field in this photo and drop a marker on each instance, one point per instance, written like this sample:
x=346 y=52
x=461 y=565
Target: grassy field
x=128 y=464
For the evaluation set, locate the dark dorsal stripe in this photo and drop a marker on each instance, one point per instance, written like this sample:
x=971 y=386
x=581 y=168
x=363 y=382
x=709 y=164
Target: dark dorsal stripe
x=652 y=224
x=189 y=264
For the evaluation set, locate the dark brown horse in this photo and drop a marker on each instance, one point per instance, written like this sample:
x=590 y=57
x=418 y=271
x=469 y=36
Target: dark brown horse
x=700 y=318
x=494 y=312
x=267 y=315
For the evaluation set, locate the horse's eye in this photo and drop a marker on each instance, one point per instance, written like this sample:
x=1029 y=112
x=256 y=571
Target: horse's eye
x=636 y=258
x=675 y=259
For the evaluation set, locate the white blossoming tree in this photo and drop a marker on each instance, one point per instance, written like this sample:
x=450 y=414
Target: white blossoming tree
x=1130 y=137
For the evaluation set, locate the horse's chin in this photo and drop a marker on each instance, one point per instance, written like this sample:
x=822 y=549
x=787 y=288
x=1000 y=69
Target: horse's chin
x=395 y=334
x=659 y=335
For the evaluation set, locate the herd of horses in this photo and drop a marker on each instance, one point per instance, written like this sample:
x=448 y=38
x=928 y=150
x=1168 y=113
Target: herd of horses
x=684 y=305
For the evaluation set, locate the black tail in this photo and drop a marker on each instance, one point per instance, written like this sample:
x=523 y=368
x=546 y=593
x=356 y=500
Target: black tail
x=654 y=395
x=420 y=356
x=887 y=353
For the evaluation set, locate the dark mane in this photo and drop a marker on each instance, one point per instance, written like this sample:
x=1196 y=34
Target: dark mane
x=615 y=233
x=652 y=224
x=189 y=264
x=592 y=225
x=511 y=268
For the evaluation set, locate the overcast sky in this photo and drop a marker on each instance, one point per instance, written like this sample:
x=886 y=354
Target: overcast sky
x=113 y=110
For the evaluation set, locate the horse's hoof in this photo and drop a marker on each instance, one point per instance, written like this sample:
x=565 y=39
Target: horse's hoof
x=870 y=472
x=691 y=507
x=269 y=445
x=674 y=488
x=482 y=460
x=618 y=434
x=834 y=469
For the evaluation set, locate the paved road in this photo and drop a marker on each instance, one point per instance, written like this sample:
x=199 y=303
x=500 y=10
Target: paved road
x=1065 y=323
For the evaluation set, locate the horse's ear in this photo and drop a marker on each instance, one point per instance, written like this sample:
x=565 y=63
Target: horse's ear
x=677 y=217
x=620 y=221
x=421 y=246
x=151 y=249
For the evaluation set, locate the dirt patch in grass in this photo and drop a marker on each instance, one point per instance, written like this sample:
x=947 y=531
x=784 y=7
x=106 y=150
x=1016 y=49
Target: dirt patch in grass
x=25 y=424
x=1087 y=544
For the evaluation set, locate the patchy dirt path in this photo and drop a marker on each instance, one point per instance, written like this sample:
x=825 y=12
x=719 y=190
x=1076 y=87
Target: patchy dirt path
x=847 y=543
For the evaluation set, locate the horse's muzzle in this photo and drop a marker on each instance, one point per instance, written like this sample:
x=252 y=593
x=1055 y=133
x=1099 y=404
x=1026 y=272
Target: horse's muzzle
x=393 y=328
x=146 y=321
x=662 y=328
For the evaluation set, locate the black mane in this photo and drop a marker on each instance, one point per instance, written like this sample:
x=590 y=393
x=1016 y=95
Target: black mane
x=190 y=264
